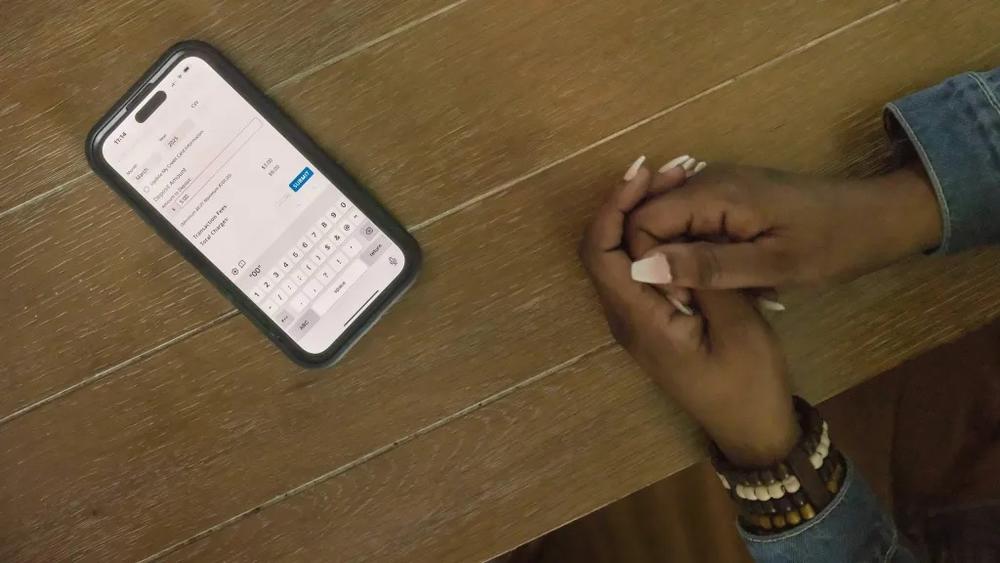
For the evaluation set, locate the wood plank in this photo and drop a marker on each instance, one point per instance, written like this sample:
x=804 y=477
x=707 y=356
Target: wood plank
x=216 y=425
x=104 y=290
x=552 y=451
x=686 y=517
x=467 y=491
x=523 y=86
x=64 y=63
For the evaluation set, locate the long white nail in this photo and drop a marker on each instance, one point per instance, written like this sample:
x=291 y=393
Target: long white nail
x=654 y=269
x=634 y=169
x=674 y=163
x=680 y=305
x=770 y=304
x=698 y=168
x=689 y=164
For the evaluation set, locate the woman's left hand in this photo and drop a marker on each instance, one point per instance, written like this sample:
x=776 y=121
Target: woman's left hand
x=723 y=365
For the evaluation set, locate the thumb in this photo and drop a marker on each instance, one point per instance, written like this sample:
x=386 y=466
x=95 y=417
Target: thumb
x=709 y=265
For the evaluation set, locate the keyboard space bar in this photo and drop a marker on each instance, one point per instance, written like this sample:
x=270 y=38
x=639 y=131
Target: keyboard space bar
x=339 y=287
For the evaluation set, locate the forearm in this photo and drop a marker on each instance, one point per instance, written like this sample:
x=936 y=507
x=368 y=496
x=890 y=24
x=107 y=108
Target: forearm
x=895 y=216
x=953 y=131
x=906 y=209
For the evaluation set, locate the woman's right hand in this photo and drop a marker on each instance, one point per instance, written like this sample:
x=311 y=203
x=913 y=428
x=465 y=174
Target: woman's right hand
x=742 y=227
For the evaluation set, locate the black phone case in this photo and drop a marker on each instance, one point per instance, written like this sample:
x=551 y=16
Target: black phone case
x=358 y=195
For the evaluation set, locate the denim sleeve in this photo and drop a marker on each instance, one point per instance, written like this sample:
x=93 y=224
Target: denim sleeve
x=954 y=128
x=852 y=529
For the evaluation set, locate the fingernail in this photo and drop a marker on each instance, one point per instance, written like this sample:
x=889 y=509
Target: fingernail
x=770 y=304
x=634 y=169
x=654 y=269
x=698 y=168
x=673 y=163
x=689 y=164
x=680 y=306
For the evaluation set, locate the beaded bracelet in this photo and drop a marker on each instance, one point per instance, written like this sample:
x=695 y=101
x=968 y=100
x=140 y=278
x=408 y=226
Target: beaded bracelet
x=793 y=491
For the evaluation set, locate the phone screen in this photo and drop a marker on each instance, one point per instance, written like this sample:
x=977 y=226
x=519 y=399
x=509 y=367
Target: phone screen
x=252 y=204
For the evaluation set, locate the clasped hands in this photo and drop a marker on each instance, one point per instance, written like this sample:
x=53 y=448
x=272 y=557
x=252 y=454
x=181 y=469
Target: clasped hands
x=680 y=258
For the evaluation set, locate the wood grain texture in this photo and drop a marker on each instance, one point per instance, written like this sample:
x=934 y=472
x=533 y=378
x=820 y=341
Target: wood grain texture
x=518 y=466
x=479 y=96
x=686 y=518
x=217 y=425
x=511 y=470
x=62 y=64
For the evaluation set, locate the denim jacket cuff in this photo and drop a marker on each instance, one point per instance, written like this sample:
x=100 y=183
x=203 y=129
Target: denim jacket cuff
x=954 y=128
x=853 y=527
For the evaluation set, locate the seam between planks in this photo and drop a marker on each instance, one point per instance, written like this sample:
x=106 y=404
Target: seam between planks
x=554 y=369
x=653 y=117
x=368 y=44
x=456 y=209
x=497 y=190
x=378 y=452
x=291 y=79
x=121 y=365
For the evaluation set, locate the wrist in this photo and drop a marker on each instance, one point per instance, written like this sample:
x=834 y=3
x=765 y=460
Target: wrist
x=762 y=442
x=907 y=210
x=793 y=490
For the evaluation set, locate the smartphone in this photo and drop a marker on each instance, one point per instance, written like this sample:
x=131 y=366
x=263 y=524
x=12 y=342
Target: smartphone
x=244 y=195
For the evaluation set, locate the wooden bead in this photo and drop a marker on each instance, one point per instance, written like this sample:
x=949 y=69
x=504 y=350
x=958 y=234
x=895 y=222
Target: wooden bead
x=832 y=486
x=779 y=521
x=765 y=522
x=816 y=460
x=740 y=490
x=791 y=484
x=775 y=490
x=761 y=493
x=793 y=518
x=807 y=511
x=823 y=449
x=836 y=477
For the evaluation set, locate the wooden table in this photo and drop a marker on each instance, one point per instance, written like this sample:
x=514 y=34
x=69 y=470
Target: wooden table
x=141 y=417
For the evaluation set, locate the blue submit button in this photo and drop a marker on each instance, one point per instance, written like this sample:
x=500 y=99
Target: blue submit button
x=301 y=179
